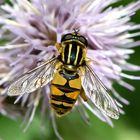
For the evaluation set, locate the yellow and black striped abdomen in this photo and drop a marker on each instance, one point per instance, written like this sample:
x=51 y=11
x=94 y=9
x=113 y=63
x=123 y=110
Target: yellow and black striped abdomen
x=72 y=54
x=64 y=92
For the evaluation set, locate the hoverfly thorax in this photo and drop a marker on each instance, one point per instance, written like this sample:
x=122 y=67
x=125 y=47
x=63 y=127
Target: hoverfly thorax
x=73 y=49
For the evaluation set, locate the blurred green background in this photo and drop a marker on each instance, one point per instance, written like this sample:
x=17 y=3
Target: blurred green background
x=72 y=127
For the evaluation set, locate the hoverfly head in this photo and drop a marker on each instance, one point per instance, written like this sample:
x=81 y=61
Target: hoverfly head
x=74 y=36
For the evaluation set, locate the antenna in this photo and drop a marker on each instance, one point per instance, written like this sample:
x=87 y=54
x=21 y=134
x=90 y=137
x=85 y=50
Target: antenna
x=76 y=30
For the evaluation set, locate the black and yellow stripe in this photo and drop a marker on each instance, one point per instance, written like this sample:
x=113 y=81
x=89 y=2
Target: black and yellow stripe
x=64 y=94
x=72 y=53
x=62 y=104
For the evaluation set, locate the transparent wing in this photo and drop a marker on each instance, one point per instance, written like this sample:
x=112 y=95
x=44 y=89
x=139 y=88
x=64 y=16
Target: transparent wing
x=34 y=79
x=99 y=94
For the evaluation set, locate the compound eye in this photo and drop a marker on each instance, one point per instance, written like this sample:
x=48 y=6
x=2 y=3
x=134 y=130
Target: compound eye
x=66 y=37
x=83 y=40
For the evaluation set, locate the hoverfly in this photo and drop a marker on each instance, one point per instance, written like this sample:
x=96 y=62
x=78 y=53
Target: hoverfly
x=71 y=77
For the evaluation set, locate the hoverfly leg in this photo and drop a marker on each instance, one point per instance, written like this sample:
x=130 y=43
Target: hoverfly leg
x=58 y=65
x=53 y=120
x=58 y=46
x=83 y=95
x=88 y=60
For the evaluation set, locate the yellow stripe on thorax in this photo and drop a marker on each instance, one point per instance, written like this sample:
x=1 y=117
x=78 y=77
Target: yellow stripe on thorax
x=83 y=56
x=70 y=47
x=77 y=54
x=63 y=58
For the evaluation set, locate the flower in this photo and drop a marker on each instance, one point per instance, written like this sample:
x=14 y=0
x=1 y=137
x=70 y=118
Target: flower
x=31 y=29
x=6 y=108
